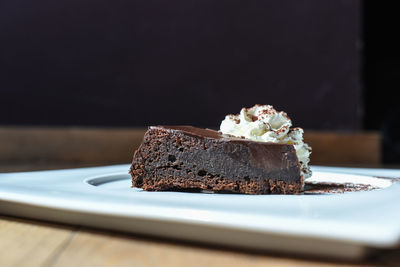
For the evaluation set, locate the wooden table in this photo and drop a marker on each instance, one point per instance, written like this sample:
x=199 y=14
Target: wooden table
x=32 y=243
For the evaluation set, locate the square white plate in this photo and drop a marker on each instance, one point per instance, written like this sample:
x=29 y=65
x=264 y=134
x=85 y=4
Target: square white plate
x=338 y=225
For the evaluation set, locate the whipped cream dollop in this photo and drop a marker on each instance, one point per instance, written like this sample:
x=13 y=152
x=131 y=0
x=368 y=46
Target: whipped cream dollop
x=263 y=123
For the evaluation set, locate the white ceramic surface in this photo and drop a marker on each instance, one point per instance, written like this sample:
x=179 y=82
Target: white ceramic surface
x=339 y=225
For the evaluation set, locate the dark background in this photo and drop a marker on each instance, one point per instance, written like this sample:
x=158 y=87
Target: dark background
x=381 y=75
x=136 y=63
x=332 y=65
x=381 y=64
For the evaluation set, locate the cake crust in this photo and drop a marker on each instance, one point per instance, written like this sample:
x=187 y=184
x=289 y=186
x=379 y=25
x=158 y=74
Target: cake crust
x=175 y=158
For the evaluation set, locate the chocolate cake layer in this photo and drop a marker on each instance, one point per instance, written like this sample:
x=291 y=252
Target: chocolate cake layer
x=185 y=157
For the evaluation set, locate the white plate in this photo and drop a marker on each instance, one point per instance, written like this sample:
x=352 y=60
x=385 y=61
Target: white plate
x=338 y=225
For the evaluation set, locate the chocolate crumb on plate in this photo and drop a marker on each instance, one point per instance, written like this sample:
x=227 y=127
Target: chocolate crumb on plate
x=330 y=185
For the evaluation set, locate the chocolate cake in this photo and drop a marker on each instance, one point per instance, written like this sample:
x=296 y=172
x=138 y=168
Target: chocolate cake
x=179 y=158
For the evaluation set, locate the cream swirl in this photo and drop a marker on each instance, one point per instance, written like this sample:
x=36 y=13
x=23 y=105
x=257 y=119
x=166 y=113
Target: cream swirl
x=263 y=123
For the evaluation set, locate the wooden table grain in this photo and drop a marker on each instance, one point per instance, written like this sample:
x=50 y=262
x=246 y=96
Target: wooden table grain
x=32 y=243
x=27 y=242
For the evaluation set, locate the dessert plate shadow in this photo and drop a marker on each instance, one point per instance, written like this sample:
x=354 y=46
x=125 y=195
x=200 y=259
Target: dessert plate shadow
x=346 y=226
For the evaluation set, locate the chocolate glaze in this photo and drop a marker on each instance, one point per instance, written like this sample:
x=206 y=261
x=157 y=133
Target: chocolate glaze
x=188 y=158
x=190 y=130
x=249 y=158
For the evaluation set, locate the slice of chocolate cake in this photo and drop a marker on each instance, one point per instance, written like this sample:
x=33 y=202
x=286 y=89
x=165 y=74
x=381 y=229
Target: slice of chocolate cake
x=189 y=158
